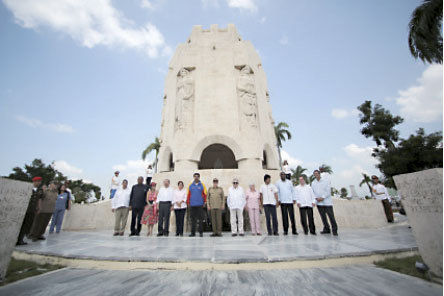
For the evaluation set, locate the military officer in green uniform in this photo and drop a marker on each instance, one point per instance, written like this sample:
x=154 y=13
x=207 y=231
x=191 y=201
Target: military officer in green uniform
x=46 y=207
x=216 y=204
x=37 y=194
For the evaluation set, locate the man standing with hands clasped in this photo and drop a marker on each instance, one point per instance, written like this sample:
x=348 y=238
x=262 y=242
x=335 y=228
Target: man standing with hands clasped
x=306 y=201
x=287 y=199
x=322 y=191
x=137 y=205
x=216 y=204
x=269 y=202
x=196 y=199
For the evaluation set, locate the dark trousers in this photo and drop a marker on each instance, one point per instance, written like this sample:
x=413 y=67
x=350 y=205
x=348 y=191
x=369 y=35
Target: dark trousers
x=196 y=214
x=148 y=181
x=325 y=211
x=216 y=220
x=270 y=214
x=388 y=210
x=180 y=216
x=287 y=209
x=39 y=225
x=136 y=216
x=307 y=211
x=26 y=225
x=163 y=226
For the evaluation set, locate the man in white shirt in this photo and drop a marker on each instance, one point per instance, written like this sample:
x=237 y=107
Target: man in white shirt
x=306 y=201
x=322 y=191
x=269 y=202
x=236 y=202
x=120 y=208
x=286 y=199
x=115 y=182
x=381 y=193
x=164 y=199
x=149 y=175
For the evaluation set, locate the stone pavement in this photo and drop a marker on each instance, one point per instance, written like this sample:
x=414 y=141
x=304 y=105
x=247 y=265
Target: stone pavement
x=103 y=246
x=351 y=280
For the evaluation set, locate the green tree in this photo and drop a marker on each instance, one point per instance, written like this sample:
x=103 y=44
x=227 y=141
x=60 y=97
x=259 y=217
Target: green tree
x=327 y=169
x=396 y=155
x=379 y=124
x=416 y=153
x=425 y=37
x=48 y=174
x=366 y=180
x=282 y=134
x=343 y=192
x=154 y=146
x=333 y=191
x=298 y=172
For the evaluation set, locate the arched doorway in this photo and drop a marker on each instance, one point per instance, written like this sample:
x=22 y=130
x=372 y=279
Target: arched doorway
x=217 y=156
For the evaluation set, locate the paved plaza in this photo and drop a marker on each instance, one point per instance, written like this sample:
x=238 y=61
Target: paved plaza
x=350 y=280
x=103 y=246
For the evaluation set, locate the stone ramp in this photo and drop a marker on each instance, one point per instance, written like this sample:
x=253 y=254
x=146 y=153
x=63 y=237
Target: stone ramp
x=351 y=280
x=249 y=249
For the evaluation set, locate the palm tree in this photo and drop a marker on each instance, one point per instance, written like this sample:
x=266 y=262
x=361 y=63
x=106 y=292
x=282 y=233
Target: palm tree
x=425 y=39
x=153 y=146
x=282 y=134
x=366 y=180
x=296 y=173
x=326 y=168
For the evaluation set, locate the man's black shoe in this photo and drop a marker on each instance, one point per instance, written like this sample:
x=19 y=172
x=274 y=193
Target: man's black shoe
x=241 y=234
x=159 y=234
x=41 y=238
x=21 y=243
x=276 y=234
x=132 y=234
x=285 y=232
x=325 y=232
x=165 y=234
x=234 y=234
x=313 y=233
x=201 y=234
x=335 y=233
x=213 y=235
x=192 y=235
x=306 y=232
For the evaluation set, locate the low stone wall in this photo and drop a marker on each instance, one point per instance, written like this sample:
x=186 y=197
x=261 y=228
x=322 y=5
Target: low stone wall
x=349 y=214
x=421 y=195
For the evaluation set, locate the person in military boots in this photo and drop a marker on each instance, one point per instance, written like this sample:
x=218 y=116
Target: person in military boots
x=37 y=194
x=46 y=207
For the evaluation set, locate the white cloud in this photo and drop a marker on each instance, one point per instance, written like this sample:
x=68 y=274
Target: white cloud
x=361 y=154
x=146 y=4
x=423 y=102
x=292 y=162
x=36 y=123
x=340 y=113
x=91 y=23
x=283 y=40
x=249 y=5
x=67 y=169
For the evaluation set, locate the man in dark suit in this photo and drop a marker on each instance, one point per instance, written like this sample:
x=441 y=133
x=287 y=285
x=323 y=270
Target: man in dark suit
x=137 y=205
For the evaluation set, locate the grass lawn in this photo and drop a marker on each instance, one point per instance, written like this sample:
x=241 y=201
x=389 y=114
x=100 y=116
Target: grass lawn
x=20 y=269
x=404 y=265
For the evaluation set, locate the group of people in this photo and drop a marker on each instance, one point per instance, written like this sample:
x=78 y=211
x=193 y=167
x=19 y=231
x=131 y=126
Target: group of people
x=149 y=205
x=46 y=204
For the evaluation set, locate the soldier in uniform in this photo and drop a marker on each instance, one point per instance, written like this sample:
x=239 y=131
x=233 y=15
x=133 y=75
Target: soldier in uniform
x=46 y=207
x=37 y=194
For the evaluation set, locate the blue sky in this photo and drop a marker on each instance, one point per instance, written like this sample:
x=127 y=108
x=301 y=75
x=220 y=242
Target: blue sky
x=82 y=84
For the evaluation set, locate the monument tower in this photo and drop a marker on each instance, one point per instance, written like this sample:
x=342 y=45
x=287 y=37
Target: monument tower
x=216 y=116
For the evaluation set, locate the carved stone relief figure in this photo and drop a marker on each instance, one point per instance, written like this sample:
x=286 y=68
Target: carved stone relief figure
x=270 y=115
x=246 y=92
x=184 y=99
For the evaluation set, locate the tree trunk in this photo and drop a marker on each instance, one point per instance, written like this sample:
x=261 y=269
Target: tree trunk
x=280 y=157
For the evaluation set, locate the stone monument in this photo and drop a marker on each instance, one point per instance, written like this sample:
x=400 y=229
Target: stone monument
x=14 y=199
x=354 y=194
x=216 y=116
x=421 y=195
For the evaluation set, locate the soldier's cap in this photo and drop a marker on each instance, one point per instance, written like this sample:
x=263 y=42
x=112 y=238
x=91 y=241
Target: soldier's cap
x=36 y=179
x=116 y=172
